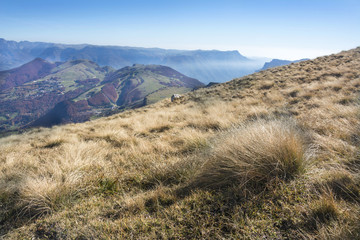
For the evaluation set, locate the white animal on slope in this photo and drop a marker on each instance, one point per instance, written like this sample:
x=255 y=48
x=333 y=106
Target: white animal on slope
x=177 y=98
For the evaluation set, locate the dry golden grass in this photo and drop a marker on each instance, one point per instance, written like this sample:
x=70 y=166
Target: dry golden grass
x=147 y=173
x=255 y=154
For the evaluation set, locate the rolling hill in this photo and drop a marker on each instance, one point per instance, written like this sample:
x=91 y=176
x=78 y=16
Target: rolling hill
x=205 y=65
x=273 y=155
x=41 y=93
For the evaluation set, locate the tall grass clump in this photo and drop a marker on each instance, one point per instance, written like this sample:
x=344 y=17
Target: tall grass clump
x=255 y=154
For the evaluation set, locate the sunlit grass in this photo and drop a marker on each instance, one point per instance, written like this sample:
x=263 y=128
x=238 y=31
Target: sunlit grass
x=272 y=155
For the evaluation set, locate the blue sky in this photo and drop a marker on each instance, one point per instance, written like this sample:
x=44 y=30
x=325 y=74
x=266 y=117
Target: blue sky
x=288 y=29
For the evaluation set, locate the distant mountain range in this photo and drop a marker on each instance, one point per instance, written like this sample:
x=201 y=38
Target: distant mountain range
x=42 y=93
x=279 y=62
x=205 y=65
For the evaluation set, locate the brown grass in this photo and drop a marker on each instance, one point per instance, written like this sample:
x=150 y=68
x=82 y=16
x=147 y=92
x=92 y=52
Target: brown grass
x=257 y=153
x=124 y=176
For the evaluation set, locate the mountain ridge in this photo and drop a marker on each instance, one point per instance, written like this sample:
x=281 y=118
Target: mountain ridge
x=279 y=62
x=205 y=65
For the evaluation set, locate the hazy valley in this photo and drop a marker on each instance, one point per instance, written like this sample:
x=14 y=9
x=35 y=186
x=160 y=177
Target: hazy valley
x=204 y=65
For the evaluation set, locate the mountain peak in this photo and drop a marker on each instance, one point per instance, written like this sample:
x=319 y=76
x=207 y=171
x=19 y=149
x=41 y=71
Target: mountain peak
x=38 y=59
x=138 y=65
x=279 y=62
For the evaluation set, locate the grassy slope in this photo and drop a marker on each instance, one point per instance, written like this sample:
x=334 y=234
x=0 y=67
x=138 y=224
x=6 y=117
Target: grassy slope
x=152 y=84
x=165 y=93
x=270 y=155
x=88 y=93
x=68 y=73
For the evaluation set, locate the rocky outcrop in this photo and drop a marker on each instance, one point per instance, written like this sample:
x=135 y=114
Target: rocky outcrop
x=177 y=98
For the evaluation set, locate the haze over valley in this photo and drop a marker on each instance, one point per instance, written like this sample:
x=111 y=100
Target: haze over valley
x=205 y=65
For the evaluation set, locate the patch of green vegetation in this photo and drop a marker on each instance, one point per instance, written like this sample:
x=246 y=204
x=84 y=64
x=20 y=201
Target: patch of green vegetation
x=67 y=74
x=89 y=93
x=150 y=84
x=153 y=85
x=108 y=186
x=165 y=93
x=13 y=115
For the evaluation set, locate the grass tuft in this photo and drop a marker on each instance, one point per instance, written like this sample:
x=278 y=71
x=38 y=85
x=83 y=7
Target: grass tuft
x=343 y=186
x=53 y=143
x=256 y=154
x=322 y=212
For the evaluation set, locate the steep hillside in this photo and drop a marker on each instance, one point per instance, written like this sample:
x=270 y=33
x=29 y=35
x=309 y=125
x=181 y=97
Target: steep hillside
x=207 y=66
x=40 y=93
x=273 y=155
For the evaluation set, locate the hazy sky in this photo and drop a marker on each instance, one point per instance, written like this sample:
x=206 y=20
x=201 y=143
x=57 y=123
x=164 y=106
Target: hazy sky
x=288 y=29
